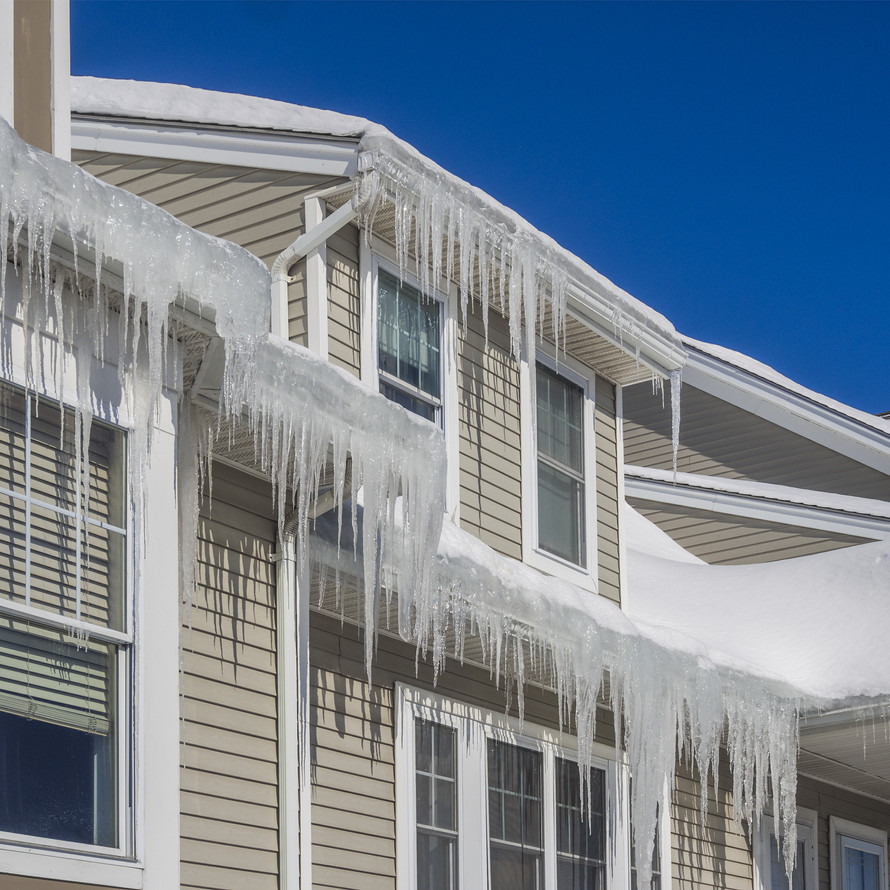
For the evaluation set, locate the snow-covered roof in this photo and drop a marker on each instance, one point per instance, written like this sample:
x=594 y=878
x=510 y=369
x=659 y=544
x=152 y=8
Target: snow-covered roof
x=820 y=622
x=758 y=369
x=421 y=187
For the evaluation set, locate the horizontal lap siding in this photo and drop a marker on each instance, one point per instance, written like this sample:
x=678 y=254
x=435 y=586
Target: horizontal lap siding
x=353 y=746
x=720 y=539
x=490 y=446
x=229 y=797
x=344 y=300
x=607 y=491
x=717 y=855
x=262 y=210
x=720 y=439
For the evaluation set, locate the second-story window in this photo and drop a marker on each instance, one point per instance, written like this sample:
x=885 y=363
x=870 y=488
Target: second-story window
x=560 y=454
x=409 y=363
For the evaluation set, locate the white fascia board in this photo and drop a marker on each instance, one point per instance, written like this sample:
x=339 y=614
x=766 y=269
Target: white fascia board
x=789 y=410
x=268 y=151
x=770 y=507
x=659 y=353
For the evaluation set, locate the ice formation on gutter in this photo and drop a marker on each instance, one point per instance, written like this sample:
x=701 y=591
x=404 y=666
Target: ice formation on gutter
x=670 y=696
x=302 y=412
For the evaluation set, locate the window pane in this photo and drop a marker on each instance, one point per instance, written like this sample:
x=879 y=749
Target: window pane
x=408 y=335
x=862 y=870
x=57 y=735
x=580 y=839
x=436 y=862
x=514 y=815
x=560 y=420
x=412 y=403
x=778 y=878
x=436 y=796
x=561 y=515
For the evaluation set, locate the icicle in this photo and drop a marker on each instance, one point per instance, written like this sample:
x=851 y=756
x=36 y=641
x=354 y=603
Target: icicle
x=676 y=384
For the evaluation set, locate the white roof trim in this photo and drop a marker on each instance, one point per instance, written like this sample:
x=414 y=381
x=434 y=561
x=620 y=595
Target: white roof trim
x=780 y=401
x=860 y=517
x=272 y=151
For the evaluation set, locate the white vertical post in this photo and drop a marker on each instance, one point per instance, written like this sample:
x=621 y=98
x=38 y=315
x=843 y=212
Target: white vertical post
x=305 y=776
x=61 y=78
x=316 y=283
x=7 y=61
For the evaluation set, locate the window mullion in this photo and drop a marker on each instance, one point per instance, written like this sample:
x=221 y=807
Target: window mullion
x=549 y=820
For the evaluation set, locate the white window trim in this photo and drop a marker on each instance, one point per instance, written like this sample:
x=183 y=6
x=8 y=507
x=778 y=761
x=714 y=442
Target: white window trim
x=863 y=837
x=149 y=855
x=474 y=726
x=807 y=821
x=550 y=564
x=372 y=258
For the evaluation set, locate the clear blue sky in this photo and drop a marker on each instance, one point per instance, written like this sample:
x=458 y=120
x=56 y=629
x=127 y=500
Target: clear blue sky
x=725 y=163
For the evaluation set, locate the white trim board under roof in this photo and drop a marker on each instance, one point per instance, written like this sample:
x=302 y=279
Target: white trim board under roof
x=537 y=269
x=757 y=388
x=849 y=515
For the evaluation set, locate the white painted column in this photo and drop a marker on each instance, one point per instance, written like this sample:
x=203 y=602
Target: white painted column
x=316 y=283
x=61 y=79
x=157 y=674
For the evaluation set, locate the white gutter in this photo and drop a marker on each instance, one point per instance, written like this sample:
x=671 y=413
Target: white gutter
x=309 y=241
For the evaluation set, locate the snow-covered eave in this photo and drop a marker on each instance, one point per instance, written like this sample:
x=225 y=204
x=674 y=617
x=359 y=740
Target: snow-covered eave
x=759 y=389
x=863 y=517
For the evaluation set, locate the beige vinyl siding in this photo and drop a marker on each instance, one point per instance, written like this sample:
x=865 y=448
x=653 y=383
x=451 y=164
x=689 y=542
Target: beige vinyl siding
x=606 y=427
x=353 y=746
x=721 y=539
x=829 y=800
x=262 y=210
x=489 y=430
x=229 y=797
x=717 y=855
x=344 y=300
x=720 y=439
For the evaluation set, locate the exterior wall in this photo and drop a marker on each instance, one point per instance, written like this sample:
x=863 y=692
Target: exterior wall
x=719 y=439
x=829 y=800
x=229 y=797
x=353 y=751
x=344 y=300
x=490 y=448
x=607 y=504
x=721 y=539
x=716 y=855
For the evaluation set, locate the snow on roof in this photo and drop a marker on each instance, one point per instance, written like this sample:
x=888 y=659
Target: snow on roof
x=770 y=375
x=821 y=622
x=172 y=102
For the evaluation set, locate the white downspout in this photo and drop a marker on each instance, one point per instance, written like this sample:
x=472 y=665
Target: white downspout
x=310 y=240
x=294 y=783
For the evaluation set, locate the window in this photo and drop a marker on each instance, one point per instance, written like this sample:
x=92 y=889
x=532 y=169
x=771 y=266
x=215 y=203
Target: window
x=483 y=804
x=559 y=519
x=64 y=640
x=770 y=859
x=409 y=366
x=858 y=856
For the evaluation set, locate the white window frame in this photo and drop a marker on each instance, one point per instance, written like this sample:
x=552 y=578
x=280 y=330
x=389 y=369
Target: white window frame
x=585 y=378
x=806 y=832
x=151 y=742
x=474 y=726
x=380 y=255
x=843 y=833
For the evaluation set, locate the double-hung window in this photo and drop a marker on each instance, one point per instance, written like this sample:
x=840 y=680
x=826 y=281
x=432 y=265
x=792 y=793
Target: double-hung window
x=409 y=347
x=770 y=860
x=64 y=636
x=558 y=504
x=858 y=855
x=486 y=806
